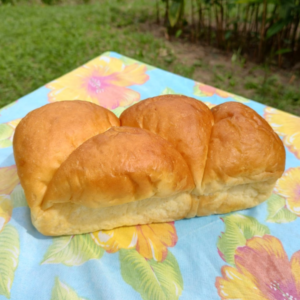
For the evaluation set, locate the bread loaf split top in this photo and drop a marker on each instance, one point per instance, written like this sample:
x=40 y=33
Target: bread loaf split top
x=167 y=158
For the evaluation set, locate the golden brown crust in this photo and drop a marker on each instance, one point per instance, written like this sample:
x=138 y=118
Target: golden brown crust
x=243 y=148
x=81 y=172
x=122 y=165
x=183 y=121
x=46 y=136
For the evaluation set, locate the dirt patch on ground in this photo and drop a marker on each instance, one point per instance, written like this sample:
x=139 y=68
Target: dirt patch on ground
x=228 y=71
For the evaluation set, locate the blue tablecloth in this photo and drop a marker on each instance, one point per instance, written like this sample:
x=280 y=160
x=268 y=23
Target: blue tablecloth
x=250 y=254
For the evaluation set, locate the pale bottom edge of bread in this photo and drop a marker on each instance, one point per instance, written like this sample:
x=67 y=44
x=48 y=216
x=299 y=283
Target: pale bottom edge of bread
x=235 y=198
x=66 y=219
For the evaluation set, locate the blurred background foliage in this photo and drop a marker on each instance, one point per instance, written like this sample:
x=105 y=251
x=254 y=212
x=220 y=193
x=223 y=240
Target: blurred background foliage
x=263 y=29
x=247 y=47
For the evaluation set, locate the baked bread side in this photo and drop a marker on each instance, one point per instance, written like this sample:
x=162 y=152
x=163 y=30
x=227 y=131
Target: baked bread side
x=124 y=176
x=233 y=153
x=48 y=135
x=82 y=172
x=245 y=158
x=183 y=121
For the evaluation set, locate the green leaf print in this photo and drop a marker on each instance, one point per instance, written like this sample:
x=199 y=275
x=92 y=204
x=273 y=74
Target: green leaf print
x=62 y=291
x=151 y=279
x=277 y=212
x=128 y=61
x=149 y=67
x=5 y=134
x=18 y=197
x=238 y=229
x=72 y=250
x=198 y=92
x=168 y=91
x=5 y=131
x=117 y=111
x=5 y=143
x=239 y=98
x=9 y=258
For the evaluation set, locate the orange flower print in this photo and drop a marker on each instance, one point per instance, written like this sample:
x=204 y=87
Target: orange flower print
x=103 y=81
x=151 y=241
x=287 y=126
x=288 y=186
x=204 y=90
x=263 y=271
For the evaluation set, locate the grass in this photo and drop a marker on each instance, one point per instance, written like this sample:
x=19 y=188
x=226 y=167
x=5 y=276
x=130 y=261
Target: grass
x=262 y=86
x=40 y=43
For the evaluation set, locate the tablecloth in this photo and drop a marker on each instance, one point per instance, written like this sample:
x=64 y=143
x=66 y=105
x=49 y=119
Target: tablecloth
x=249 y=254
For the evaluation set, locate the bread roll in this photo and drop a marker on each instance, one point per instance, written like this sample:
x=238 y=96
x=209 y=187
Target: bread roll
x=233 y=153
x=48 y=135
x=244 y=160
x=171 y=158
x=78 y=180
x=183 y=121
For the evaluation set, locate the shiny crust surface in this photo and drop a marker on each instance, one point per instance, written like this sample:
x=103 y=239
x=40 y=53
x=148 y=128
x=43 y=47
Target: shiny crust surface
x=167 y=158
x=183 y=121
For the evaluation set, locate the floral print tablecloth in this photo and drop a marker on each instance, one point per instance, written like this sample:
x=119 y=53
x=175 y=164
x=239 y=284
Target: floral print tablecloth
x=250 y=254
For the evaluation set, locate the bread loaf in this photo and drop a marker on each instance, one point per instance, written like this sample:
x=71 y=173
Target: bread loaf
x=167 y=158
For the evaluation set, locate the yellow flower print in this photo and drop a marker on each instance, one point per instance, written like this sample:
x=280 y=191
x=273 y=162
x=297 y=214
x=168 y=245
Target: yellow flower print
x=5 y=210
x=14 y=123
x=115 y=239
x=103 y=81
x=263 y=271
x=7 y=132
x=8 y=180
x=210 y=105
x=151 y=241
x=287 y=126
x=288 y=186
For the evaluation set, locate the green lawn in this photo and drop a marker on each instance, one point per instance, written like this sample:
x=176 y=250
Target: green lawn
x=40 y=43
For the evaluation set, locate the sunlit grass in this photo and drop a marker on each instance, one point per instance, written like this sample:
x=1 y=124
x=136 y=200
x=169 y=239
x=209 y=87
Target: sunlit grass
x=39 y=43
